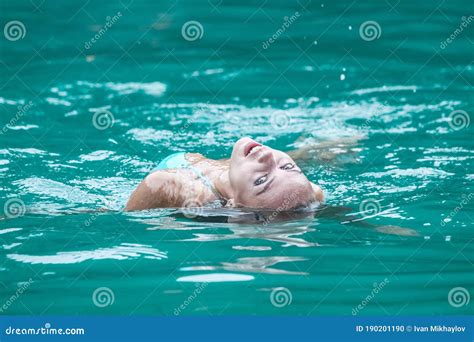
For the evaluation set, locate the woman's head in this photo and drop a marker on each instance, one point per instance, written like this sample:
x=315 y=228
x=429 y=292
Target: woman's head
x=262 y=177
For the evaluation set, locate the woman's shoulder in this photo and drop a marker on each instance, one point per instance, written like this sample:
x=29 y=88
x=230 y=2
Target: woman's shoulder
x=194 y=158
x=162 y=189
x=202 y=160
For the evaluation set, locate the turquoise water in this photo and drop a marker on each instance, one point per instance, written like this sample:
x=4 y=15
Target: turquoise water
x=318 y=80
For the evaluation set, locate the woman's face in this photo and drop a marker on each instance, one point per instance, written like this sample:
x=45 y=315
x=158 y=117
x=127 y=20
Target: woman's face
x=262 y=177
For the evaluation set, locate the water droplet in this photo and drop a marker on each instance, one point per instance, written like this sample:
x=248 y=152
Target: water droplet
x=315 y=42
x=350 y=27
x=342 y=77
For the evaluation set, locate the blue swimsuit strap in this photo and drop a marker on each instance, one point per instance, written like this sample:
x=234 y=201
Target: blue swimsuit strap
x=207 y=182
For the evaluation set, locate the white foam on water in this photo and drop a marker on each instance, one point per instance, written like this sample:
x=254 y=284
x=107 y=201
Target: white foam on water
x=216 y=278
x=384 y=89
x=9 y=230
x=421 y=172
x=153 y=88
x=122 y=252
x=24 y=128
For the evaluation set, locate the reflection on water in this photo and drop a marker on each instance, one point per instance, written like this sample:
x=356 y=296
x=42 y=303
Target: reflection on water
x=256 y=264
x=284 y=235
x=122 y=252
x=215 y=277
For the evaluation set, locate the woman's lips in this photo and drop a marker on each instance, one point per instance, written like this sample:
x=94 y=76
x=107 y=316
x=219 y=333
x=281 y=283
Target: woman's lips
x=249 y=147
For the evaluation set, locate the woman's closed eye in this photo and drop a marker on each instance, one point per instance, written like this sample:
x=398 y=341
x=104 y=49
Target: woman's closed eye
x=287 y=166
x=261 y=180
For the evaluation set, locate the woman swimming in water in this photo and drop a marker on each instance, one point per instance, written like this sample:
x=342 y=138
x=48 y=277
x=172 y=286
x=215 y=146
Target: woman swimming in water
x=255 y=176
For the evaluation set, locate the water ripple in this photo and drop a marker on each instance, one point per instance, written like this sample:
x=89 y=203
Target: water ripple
x=123 y=252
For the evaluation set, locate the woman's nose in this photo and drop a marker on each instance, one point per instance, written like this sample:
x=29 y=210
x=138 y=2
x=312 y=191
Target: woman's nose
x=266 y=157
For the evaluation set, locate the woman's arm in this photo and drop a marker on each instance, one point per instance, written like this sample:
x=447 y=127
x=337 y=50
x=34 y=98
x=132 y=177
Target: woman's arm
x=340 y=214
x=326 y=151
x=160 y=189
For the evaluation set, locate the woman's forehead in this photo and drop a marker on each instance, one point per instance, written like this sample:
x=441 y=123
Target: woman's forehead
x=294 y=186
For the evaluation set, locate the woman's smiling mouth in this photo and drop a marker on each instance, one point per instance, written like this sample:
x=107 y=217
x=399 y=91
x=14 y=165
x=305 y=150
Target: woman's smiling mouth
x=252 y=147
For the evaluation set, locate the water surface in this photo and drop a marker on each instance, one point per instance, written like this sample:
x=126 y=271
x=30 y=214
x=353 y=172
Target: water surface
x=319 y=80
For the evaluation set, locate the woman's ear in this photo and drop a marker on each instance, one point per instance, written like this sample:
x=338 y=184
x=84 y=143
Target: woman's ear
x=318 y=192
